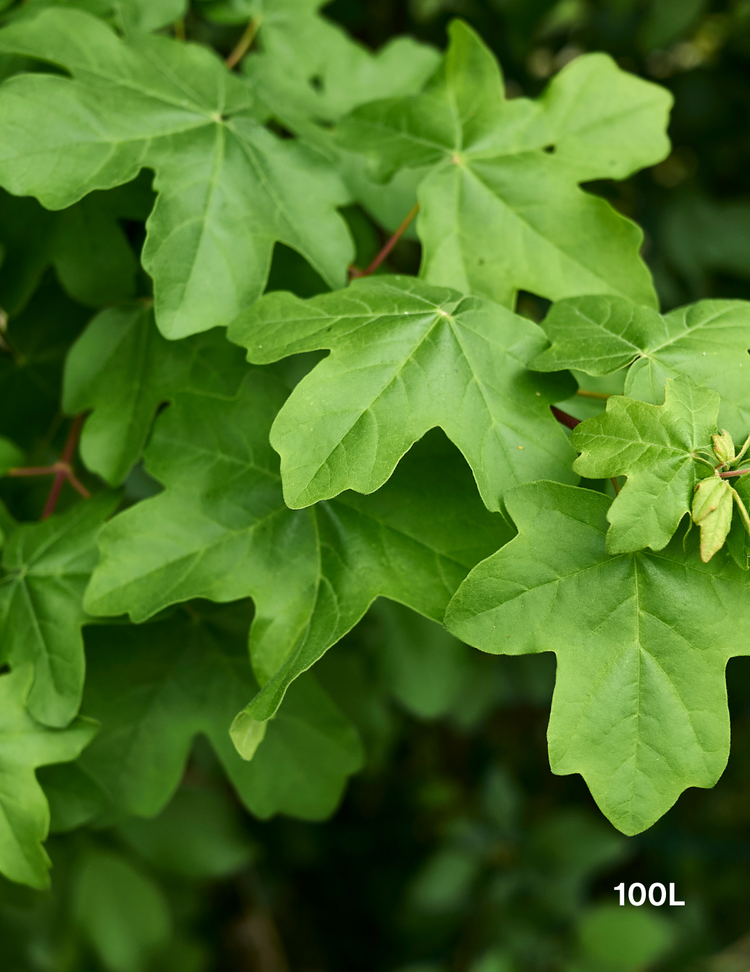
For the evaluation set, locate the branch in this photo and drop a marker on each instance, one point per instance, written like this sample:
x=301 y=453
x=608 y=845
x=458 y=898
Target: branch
x=243 y=44
x=387 y=249
x=62 y=470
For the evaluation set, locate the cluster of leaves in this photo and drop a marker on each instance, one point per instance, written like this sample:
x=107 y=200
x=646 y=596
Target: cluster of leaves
x=272 y=438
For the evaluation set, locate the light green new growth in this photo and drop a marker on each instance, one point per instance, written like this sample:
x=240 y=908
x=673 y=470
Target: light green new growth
x=657 y=447
x=707 y=341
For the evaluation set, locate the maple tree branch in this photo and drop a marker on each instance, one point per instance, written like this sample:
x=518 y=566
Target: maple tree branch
x=244 y=43
x=388 y=248
x=62 y=470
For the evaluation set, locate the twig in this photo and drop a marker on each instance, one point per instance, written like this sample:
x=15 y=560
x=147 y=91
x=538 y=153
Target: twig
x=387 y=249
x=62 y=470
x=244 y=43
x=564 y=419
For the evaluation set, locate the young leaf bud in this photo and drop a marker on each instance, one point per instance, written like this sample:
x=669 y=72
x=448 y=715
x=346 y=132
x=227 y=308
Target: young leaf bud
x=724 y=447
x=712 y=511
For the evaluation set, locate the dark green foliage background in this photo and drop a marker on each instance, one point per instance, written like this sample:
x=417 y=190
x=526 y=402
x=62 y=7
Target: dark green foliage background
x=455 y=850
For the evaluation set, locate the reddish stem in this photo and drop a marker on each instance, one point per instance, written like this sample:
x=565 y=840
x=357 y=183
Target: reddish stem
x=735 y=472
x=387 y=249
x=62 y=470
x=563 y=418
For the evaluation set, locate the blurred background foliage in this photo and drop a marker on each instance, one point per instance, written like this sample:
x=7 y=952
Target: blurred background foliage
x=455 y=850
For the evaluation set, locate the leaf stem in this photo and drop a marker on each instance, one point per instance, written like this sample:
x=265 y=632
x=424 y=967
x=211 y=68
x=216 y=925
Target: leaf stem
x=388 y=248
x=734 y=472
x=590 y=394
x=244 y=43
x=616 y=485
x=743 y=450
x=179 y=29
x=569 y=421
x=62 y=470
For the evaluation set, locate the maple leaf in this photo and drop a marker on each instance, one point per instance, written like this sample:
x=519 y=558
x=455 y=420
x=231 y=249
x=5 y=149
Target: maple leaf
x=125 y=14
x=657 y=447
x=85 y=244
x=46 y=567
x=123 y=369
x=24 y=746
x=406 y=357
x=155 y=688
x=641 y=639
x=708 y=341
x=220 y=530
x=501 y=207
x=227 y=188
x=308 y=67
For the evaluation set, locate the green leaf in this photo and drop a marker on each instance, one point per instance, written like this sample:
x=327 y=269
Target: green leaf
x=85 y=244
x=200 y=835
x=501 y=206
x=221 y=530
x=123 y=369
x=624 y=939
x=10 y=456
x=122 y=912
x=656 y=447
x=24 y=746
x=642 y=641
x=406 y=357
x=308 y=66
x=47 y=567
x=713 y=504
x=227 y=188
x=126 y=14
x=155 y=688
x=708 y=341
x=31 y=375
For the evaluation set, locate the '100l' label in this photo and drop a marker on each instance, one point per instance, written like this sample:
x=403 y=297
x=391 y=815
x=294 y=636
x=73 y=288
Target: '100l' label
x=657 y=895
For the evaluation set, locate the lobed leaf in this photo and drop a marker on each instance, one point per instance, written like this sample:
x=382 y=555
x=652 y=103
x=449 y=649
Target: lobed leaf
x=220 y=530
x=406 y=357
x=125 y=14
x=25 y=744
x=155 y=688
x=227 y=188
x=501 y=206
x=656 y=447
x=641 y=639
x=122 y=369
x=46 y=567
x=708 y=341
